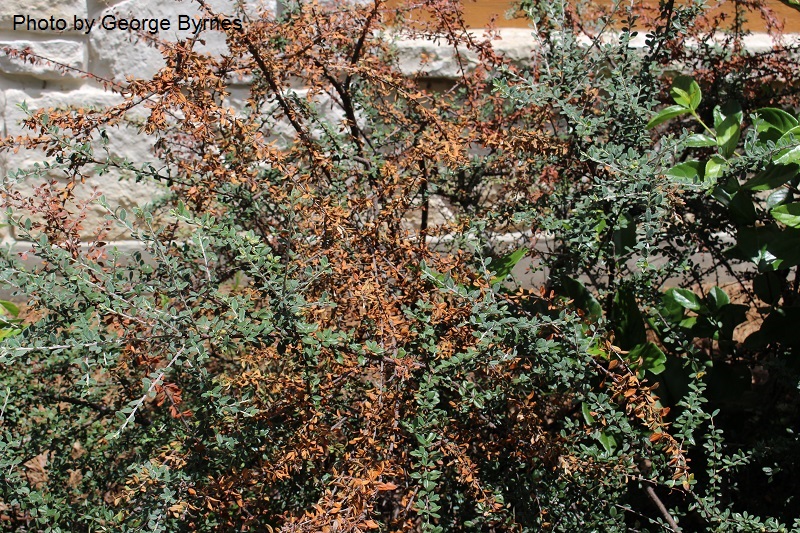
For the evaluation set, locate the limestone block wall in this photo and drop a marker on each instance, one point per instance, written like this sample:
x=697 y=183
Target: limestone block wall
x=90 y=36
x=86 y=36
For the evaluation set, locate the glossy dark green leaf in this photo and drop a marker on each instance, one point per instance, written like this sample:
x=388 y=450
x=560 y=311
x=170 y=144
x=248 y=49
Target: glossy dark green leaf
x=689 y=172
x=666 y=114
x=771 y=177
x=608 y=442
x=778 y=197
x=769 y=247
x=788 y=214
x=587 y=414
x=742 y=209
x=779 y=328
x=767 y=287
x=10 y=307
x=700 y=140
x=652 y=358
x=795 y=4
x=686 y=92
x=503 y=266
x=9 y=330
x=790 y=154
x=717 y=298
x=728 y=125
x=730 y=316
x=582 y=297
x=685 y=298
x=729 y=382
x=674 y=381
x=724 y=193
x=775 y=119
x=624 y=236
x=706 y=327
x=715 y=169
x=670 y=310
x=627 y=319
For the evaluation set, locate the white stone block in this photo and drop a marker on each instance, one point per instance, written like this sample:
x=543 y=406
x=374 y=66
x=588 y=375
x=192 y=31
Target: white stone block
x=6 y=235
x=119 y=187
x=437 y=59
x=127 y=142
x=40 y=9
x=61 y=52
x=119 y=192
x=430 y=59
x=118 y=54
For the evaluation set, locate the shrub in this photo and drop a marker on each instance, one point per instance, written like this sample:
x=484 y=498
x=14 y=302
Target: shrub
x=299 y=347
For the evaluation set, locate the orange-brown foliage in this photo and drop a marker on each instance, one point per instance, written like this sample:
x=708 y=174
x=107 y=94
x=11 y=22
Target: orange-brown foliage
x=348 y=196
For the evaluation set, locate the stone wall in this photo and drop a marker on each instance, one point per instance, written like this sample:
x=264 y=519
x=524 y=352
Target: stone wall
x=83 y=36
x=60 y=31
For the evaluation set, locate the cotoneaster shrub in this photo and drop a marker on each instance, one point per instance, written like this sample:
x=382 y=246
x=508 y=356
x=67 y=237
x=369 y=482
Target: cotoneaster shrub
x=299 y=347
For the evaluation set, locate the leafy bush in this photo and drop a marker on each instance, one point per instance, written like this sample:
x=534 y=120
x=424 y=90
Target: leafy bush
x=300 y=345
x=753 y=188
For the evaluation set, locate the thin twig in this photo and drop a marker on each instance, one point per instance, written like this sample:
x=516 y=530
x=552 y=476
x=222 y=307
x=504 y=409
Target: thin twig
x=661 y=507
x=5 y=402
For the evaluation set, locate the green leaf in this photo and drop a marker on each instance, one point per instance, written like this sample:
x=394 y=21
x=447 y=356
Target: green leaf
x=582 y=297
x=752 y=245
x=685 y=298
x=775 y=119
x=502 y=267
x=777 y=198
x=730 y=316
x=795 y=4
x=771 y=177
x=728 y=125
x=624 y=237
x=767 y=287
x=780 y=327
x=627 y=319
x=653 y=359
x=686 y=92
x=670 y=309
x=11 y=308
x=788 y=214
x=769 y=247
x=790 y=154
x=666 y=114
x=724 y=192
x=729 y=383
x=587 y=414
x=608 y=442
x=689 y=172
x=700 y=140
x=715 y=169
x=742 y=209
x=718 y=298
x=8 y=331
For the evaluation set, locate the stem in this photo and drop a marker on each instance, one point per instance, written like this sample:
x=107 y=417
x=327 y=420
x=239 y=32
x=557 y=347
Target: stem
x=423 y=190
x=663 y=509
x=705 y=126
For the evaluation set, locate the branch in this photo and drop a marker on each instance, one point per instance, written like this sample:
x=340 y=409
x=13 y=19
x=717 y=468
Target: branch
x=661 y=507
x=102 y=409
